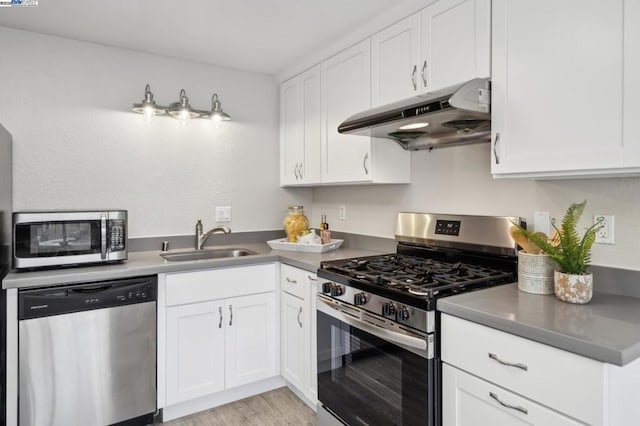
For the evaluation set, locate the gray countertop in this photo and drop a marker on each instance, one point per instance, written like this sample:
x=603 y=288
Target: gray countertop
x=150 y=262
x=607 y=329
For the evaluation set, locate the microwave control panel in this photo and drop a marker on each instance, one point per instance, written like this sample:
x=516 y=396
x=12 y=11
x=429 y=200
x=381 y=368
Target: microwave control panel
x=117 y=235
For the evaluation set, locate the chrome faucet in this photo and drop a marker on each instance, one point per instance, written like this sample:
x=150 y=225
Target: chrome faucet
x=201 y=238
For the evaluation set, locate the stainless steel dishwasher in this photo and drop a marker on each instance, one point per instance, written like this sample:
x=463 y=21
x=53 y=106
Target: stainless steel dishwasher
x=87 y=353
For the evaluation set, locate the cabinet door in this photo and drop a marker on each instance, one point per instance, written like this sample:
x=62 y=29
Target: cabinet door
x=291 y=131
x=556 y=86
x=195 y=351
x=250 y=346
x=293 y=335
x=456 y=42
x=311 y=120
x=395 y=54
x=346 y=89
x=466 y=399
x=631 y=129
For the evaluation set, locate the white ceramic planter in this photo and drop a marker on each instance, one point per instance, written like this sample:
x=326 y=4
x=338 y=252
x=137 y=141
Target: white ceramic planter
x=535 y=273
x=573 y=288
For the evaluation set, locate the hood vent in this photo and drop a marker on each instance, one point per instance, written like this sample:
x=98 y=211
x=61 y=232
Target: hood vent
x=456 y=115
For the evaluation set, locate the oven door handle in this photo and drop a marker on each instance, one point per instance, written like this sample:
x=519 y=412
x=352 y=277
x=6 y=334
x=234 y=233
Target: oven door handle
x=332 y=309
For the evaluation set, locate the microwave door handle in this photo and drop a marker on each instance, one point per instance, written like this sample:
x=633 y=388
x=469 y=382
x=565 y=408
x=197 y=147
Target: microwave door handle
x=103 y=236
x=402 y=339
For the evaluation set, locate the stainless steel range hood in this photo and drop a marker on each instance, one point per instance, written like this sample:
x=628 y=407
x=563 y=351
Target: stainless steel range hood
x=456 y=115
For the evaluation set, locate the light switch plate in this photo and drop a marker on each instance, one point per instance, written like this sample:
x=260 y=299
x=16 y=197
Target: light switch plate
x=541 y=222
x=342 y=212
x=223 y=214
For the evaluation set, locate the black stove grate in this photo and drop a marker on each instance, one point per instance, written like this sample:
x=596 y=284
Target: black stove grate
x=415 y=277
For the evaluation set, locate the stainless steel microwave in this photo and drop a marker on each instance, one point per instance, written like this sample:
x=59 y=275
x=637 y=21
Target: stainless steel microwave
x=63 y=238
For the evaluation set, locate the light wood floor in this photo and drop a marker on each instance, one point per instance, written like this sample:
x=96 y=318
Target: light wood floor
x=274 y=408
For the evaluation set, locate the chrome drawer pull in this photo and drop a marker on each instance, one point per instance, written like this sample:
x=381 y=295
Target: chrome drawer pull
x=230 y=315
x=220 y=312
x=504 y=404
x=300 y=313
x=289 y=280
x=508 y=364
x=311 y=278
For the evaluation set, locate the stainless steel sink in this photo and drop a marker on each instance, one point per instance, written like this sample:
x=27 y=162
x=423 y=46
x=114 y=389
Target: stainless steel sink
x=181 y=256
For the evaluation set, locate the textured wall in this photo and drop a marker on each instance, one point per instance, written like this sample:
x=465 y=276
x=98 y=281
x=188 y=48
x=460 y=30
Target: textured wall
x=458 y=180
x=77 y=145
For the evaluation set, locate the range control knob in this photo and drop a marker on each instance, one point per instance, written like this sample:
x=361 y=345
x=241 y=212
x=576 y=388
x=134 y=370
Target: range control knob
x=326 y=287
x=336 y=290
x=388 y=309
x=360 y=299
x=402 y=314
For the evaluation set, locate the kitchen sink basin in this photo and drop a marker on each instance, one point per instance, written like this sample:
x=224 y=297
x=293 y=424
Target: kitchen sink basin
x=181 y=256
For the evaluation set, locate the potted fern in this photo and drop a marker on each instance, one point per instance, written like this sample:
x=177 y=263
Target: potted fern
x=572 y=253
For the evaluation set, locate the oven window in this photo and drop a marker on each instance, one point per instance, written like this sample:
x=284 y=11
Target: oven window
x=368 y=381
x=64 y=238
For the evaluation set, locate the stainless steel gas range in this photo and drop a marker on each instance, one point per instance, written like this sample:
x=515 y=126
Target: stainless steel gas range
x=378 y=330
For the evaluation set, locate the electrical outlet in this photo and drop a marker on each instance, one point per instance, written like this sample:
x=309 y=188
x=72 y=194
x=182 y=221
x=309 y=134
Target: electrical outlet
x=342 y=212
x=223 y=214
x=605 y=234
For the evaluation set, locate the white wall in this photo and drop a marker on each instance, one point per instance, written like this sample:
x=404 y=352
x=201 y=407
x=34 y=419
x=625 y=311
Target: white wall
x=458 y=180
x=77 y=144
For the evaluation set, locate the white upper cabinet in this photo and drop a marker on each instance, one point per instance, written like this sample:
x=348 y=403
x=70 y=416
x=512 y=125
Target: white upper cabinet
x=557 y=88
x=395 y=55
x=300 y=129
x=445 y=44
x=346 y=90
x=631 y=130
x=456 y=42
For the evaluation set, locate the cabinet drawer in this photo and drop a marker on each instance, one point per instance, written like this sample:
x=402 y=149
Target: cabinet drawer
x=569 y=383
x=211 y=284
x=294 y=281
x=466 y=399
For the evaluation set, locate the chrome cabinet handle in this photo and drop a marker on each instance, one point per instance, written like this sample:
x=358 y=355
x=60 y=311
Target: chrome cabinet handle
x=364 y=163
x=103 y=236
x=300 y=313
x=508 y=364
x=296 y=171
x=220 y=312
x=413 y=77
x=423 y=73
x=504 y=404
x=230 y=315
x=495 y=148
x=289 y=280
x=312 y=278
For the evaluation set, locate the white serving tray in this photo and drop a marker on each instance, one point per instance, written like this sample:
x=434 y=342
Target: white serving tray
x=282 y=244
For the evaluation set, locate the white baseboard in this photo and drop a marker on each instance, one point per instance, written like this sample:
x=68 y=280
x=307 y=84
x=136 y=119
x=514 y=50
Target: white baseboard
x=221 y=398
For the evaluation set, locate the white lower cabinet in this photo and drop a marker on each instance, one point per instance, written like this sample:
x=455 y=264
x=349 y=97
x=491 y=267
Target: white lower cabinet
x=217 y=336
x=298 y=331
x=195 y=351
x=467 y=399
x=504 y=379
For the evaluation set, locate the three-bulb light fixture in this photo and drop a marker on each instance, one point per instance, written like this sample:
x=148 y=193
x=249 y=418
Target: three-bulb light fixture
x=181 y=109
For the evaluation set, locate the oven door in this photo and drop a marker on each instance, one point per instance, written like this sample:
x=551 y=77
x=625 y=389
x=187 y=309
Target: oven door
x=368 y=375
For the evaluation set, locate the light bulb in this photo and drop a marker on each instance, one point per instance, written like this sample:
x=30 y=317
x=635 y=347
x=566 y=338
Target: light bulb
x=184 y=117
x=148 y=112
x=216 y=119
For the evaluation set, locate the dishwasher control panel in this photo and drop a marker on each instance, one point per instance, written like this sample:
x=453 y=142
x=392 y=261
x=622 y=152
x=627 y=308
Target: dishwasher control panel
x=42 y=302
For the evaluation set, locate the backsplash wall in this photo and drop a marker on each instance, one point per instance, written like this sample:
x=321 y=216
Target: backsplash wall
x=77 y=145
x=458 y=180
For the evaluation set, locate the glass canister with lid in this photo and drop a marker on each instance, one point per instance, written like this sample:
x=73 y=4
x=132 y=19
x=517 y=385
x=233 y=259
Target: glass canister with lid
x=295 y=223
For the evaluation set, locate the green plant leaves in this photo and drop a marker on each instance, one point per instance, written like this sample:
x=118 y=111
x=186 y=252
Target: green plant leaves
x=573 y=254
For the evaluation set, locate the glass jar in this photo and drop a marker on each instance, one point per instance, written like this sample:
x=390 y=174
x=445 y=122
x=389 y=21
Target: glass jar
x=295 y=223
